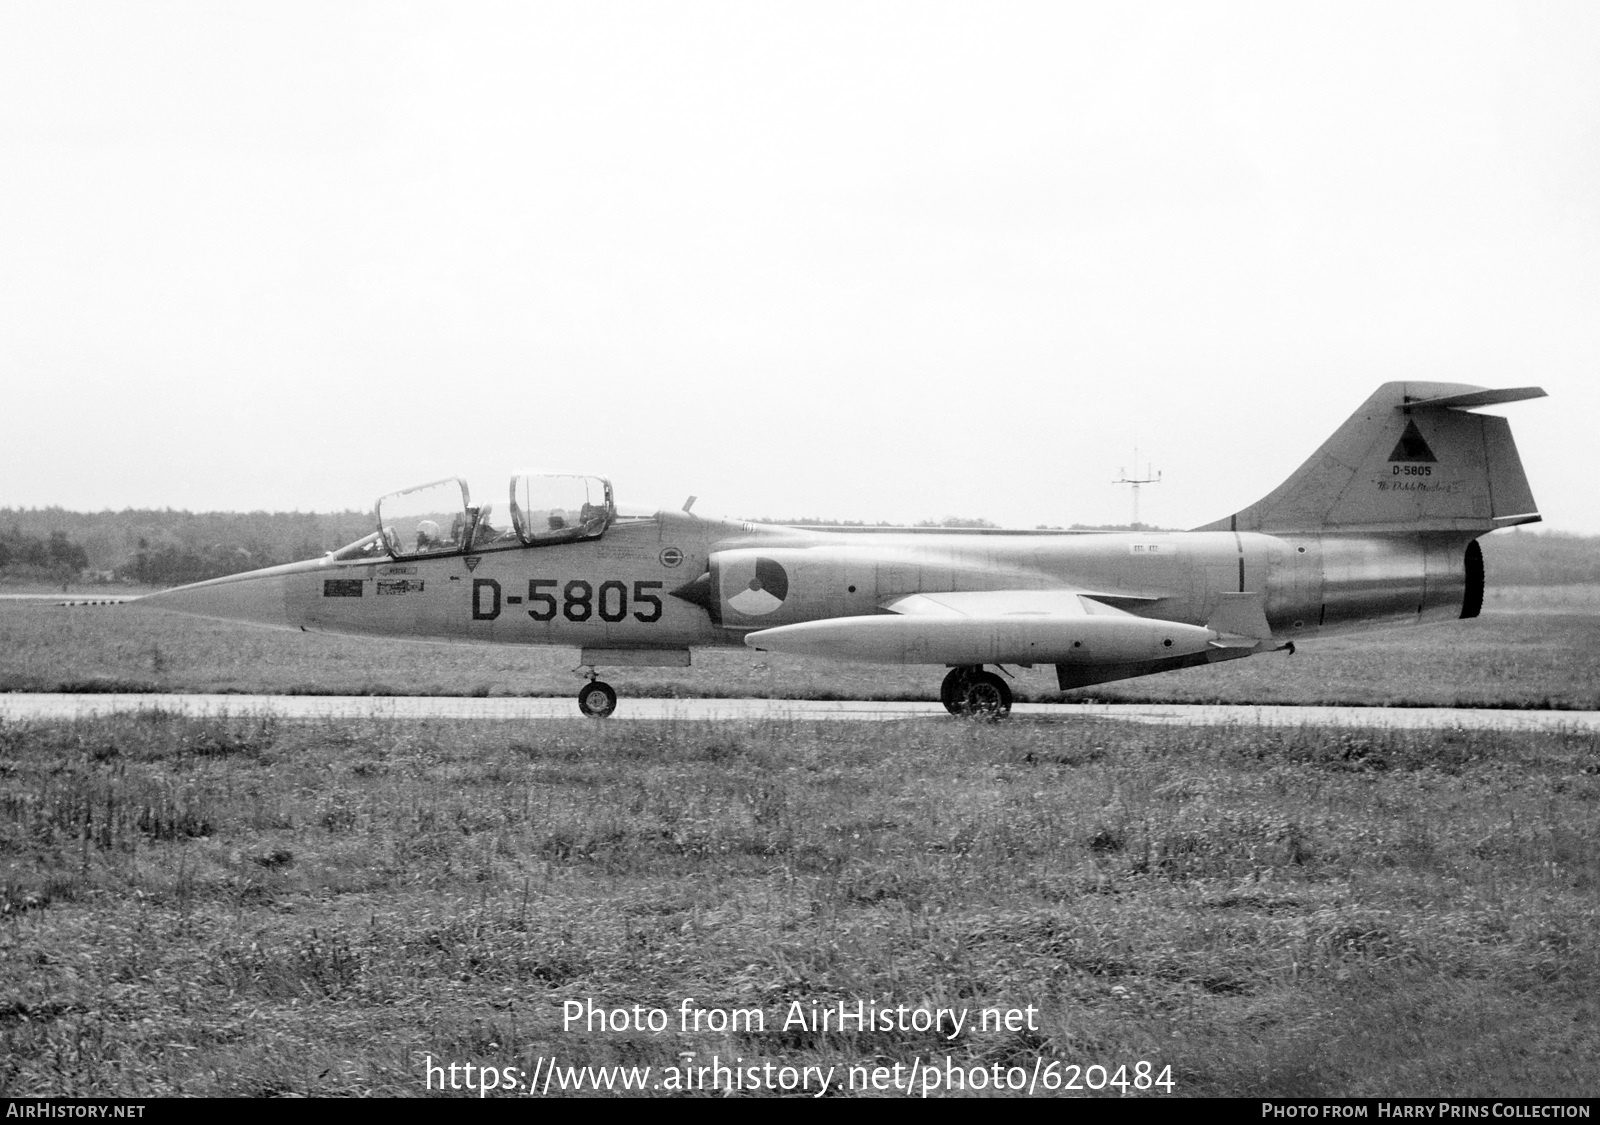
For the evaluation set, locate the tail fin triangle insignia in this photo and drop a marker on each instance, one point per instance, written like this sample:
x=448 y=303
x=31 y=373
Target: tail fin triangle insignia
x=1412 y=448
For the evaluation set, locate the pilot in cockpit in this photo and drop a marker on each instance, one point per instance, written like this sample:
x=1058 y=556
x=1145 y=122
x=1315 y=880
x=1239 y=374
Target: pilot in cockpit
x=427 y=536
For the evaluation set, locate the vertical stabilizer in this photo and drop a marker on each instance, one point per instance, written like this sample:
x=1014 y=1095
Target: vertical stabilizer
x=1411 y=458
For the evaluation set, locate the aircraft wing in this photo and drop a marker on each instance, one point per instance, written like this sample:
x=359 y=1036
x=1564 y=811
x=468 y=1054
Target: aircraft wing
x=1014 y=627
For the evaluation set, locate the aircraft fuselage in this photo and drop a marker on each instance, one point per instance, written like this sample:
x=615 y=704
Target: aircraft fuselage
x=617 y=593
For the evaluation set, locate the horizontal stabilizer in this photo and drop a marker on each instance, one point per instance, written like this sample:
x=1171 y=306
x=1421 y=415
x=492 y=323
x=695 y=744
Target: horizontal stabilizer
x=1477 y=398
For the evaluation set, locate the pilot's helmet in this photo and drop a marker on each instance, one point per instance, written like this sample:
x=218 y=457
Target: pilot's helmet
x=427 y=531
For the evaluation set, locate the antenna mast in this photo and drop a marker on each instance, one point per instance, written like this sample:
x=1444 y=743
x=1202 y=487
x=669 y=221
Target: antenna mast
x=1136 y=481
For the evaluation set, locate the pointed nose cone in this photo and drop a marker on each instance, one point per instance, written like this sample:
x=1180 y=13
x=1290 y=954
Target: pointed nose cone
x=260 y=597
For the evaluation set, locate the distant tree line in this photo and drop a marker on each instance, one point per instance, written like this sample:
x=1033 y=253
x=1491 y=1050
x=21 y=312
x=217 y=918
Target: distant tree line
x=52 y=555
x=957 y=522
x=163 y=547
x=170 y=565
x=1551 y=558
x=814 y=521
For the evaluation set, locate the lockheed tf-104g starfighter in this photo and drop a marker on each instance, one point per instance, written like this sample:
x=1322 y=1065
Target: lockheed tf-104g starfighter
x=1379 y=527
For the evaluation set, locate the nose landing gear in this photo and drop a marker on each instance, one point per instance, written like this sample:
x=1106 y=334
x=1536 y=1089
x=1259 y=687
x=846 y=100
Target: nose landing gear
x=597 y=699
x=970 y=692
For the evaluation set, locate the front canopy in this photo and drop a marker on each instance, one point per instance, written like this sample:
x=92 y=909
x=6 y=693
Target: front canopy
x=431 y=519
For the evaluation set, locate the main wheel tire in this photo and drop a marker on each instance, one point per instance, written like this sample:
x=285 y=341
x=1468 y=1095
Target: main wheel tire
x=597 y=700
x=987 y=697
x=953 y=692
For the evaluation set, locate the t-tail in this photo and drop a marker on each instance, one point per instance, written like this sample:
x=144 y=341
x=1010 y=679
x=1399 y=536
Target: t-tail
x=1386 y=514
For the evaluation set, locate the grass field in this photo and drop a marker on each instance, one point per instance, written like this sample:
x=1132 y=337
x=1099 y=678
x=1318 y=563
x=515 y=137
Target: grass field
x=1533 y=647
x=247 y=907
x=255 y=907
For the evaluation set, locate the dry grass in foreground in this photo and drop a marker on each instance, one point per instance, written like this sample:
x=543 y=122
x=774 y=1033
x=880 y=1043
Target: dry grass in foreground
x=254 y=908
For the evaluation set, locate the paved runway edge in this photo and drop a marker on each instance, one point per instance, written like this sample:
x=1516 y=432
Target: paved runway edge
x=24 y=707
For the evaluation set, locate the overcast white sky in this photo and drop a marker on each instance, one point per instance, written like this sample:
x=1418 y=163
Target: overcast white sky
x=871 y=261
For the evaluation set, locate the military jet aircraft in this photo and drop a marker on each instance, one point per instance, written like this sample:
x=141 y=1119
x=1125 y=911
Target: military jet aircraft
x=1379 y=527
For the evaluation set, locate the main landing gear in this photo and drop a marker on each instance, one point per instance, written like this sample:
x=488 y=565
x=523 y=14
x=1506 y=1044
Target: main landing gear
x=969 y=691
x=597 y=699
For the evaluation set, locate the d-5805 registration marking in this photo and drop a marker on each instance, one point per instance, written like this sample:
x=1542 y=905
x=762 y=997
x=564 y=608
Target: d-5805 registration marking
x=577 y=600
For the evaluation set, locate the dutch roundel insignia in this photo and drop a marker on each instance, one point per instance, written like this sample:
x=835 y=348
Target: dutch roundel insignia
x=670 y=556
x=765 y=591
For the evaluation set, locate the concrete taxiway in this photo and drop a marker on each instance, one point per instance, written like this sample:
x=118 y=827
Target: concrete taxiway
x=22 y=707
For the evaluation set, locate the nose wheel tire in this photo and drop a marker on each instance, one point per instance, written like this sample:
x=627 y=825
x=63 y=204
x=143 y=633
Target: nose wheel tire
x=598 y=700
x=972 y=692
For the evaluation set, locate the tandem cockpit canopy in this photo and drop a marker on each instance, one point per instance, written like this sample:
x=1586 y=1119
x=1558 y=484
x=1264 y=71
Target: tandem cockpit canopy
x=440 y=518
